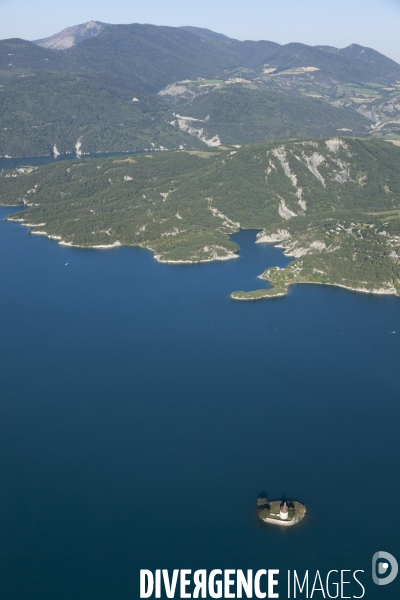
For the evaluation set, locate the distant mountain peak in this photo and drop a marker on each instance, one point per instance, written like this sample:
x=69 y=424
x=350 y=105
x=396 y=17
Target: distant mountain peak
x=71 y=36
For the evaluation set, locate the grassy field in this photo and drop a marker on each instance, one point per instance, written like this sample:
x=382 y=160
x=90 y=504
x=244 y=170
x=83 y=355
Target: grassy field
x=200 y=153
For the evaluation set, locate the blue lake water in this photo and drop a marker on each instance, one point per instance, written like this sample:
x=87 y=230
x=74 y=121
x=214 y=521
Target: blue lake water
x=142 y=411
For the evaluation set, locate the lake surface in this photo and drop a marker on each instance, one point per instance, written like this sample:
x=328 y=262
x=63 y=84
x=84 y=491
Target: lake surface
x=142 y=411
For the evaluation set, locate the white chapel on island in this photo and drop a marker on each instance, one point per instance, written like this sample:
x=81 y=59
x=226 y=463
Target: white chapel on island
x=284 y=512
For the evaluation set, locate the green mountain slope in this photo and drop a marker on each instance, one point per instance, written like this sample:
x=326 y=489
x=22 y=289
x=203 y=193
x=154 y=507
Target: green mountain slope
x=47 y=99
x=83 y=95
x=238 y=114
x=334 y=204
x=354 y=63
x=207 y=34
x=150 y=57
x=215 y=51
x=344 y=65
x=61 y=111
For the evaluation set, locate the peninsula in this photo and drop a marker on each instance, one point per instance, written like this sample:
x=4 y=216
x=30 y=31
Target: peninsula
x=333 y=205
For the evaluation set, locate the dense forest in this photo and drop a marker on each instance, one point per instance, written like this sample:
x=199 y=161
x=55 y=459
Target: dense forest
x=334 y=204
x=121 y=91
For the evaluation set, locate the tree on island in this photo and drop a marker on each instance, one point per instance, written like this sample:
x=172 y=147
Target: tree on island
x=261 y=502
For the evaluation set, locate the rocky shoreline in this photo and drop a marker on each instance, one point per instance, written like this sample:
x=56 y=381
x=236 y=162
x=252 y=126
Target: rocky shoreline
x=248 y=296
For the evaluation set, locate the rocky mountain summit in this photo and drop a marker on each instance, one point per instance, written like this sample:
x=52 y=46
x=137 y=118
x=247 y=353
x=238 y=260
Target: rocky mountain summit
x=71 y=36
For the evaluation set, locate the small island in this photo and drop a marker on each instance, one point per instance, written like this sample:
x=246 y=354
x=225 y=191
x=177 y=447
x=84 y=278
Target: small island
x=285 y=514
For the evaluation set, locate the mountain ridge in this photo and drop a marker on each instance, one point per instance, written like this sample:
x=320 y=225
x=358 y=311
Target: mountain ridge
x=79 y=33
x=135 y=87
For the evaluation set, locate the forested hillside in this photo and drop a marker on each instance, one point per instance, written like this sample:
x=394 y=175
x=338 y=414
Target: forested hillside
x=334 y=204
x=237 y=114
x=120 y=90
